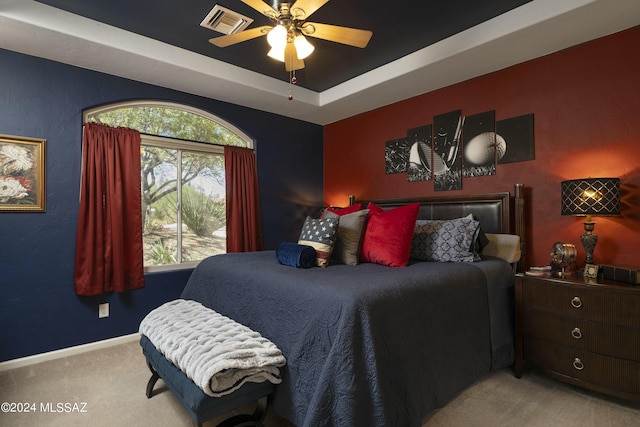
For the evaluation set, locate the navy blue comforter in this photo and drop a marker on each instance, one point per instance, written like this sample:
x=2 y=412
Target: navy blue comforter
x=367 y=345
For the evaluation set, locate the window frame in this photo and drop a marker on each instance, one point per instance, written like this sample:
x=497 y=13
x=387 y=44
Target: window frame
x=168 y=142
x=174 y=105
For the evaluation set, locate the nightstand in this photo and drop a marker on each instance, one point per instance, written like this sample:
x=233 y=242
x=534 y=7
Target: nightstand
x=580 y=331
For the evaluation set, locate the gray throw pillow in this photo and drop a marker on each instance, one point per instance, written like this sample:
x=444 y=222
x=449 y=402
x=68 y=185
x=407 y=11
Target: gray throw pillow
x=349 y=236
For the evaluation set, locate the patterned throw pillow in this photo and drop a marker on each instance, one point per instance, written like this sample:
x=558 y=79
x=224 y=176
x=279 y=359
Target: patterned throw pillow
x=321 y=235
x=445 y=240
x=479 y=242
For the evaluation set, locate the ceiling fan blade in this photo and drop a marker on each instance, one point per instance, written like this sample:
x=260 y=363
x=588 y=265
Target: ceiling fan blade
x=291 y=61
x=307 y=6
x=224 y=41
x=261 y=7
x=334 y=33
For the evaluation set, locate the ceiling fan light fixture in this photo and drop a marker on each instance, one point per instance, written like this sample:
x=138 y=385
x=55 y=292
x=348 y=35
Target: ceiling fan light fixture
x=277 y=53
x=277 y=37
x=303 y=47
x=289 y=29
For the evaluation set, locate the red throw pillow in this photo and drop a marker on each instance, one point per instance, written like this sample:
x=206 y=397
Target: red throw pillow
x=387 y=238
x=343 y=211
x=374 y=209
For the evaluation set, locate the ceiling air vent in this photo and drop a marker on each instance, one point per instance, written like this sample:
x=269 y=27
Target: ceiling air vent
x=225 y=21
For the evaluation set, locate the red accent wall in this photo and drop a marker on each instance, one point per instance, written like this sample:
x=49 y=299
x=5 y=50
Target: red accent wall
x=586 y=106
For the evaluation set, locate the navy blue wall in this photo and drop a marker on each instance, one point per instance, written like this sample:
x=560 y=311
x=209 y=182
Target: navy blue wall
x=39 y=310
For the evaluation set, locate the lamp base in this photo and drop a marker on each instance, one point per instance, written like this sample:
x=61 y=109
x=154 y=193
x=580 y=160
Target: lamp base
x=589 y=241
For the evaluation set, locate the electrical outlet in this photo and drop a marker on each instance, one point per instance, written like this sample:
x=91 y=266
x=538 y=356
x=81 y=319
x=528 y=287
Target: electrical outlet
x=103 y=310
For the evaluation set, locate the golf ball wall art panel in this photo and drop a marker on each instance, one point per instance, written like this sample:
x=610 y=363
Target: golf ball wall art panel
x=479 y=142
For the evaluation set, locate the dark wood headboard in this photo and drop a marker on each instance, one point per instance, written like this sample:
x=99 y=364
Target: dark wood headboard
x=492 y=210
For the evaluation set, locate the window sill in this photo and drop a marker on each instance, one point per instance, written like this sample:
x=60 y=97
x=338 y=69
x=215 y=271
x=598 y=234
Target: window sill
x=171 y=267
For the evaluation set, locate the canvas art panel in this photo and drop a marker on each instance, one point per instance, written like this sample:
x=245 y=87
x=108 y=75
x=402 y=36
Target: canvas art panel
x=517 y=133
x=396 y=156
x=447 y=148
x=479 y=142
x=420 y=154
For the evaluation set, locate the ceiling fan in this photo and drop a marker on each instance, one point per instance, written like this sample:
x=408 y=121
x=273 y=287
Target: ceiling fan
x=287 y=34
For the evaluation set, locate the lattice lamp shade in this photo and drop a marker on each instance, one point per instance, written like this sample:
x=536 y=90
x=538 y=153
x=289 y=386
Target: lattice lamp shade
x=592 y=196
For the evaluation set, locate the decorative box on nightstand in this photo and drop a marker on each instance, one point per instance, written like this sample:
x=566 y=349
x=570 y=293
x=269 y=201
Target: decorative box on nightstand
x=584 y=332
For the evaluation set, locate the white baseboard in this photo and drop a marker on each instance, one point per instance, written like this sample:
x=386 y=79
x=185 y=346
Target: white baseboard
x=66 y=352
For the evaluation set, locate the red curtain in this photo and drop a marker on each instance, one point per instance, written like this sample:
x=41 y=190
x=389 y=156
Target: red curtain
x=244 y=227
x=109 y=254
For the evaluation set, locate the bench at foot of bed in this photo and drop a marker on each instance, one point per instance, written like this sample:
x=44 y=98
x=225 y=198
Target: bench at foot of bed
x=200 y=406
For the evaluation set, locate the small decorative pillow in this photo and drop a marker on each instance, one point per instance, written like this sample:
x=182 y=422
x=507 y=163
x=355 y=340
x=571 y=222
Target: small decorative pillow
x=321 y=235
x=349 y=238
x=505 y=246
x=387 y=238
x=296 y=255
x=444 y=240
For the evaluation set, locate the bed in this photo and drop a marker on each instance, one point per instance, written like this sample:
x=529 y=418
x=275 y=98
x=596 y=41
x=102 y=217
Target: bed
x=371 y=345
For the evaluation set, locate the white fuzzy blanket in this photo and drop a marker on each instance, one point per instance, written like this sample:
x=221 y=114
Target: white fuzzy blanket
x=217 y=353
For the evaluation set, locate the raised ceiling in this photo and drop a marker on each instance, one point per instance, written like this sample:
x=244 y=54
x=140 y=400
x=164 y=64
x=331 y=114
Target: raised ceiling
x=417 y=46
x=399 y=29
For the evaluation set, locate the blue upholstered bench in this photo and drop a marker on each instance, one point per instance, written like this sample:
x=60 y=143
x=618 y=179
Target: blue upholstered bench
x=200 y=406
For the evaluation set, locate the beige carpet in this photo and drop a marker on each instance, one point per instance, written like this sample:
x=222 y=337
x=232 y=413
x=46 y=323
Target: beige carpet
x=109 y=385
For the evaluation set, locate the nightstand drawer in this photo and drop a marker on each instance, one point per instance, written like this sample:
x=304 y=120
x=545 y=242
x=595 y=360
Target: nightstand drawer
x=603 y=338
x=605 y=371
x=590 y=303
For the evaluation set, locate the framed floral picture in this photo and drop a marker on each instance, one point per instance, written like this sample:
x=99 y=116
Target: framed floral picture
x=22 y=170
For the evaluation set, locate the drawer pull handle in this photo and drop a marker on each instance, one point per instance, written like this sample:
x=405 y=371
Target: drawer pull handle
x=576 y=333
x=576 y=302
x=577 y=363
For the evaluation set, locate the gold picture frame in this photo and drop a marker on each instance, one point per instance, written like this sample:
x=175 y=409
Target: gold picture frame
x=22 y=174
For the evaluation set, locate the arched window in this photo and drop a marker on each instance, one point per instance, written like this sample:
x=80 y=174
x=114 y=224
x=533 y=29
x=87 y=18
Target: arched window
x=182 y=178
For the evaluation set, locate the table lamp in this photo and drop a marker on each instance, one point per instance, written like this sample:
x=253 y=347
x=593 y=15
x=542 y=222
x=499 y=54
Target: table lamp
x=587 y=197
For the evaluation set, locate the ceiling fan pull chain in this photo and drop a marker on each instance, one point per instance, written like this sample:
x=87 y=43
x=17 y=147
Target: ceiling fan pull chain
x=292 y=81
